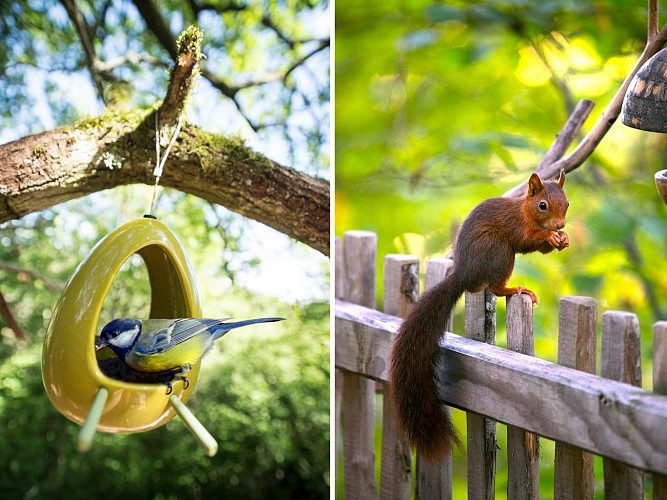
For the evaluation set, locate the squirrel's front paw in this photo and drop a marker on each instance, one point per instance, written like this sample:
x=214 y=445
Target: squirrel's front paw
x=554 y=239
x=564 y=240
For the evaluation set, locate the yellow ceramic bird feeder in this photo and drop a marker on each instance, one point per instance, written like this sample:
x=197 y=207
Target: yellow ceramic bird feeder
x=73 y=379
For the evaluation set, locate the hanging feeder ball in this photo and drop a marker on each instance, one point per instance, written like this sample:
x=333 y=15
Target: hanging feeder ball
x=73 y=378
x=645 y=102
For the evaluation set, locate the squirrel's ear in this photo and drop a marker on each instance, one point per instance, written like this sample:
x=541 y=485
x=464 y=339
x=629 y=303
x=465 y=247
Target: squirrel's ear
x=561 y=177
x=534 y=185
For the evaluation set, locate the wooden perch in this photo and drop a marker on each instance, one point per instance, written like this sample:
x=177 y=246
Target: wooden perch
x=655 y=41
x=118 y=148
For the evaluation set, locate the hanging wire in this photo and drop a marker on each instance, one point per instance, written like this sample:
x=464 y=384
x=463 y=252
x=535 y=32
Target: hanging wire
x=159 y=162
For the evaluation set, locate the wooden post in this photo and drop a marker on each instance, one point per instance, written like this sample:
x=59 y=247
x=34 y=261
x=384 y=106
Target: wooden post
x=577 y=323
x=401 y=289
x=435 y=481
x=621 y=361
x=338 y=374
x=359 y=251
x=480 y=324
x=660 y=387
x=523 y=448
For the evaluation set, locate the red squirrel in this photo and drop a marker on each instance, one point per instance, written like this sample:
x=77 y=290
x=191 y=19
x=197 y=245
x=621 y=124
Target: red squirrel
x=484 y=252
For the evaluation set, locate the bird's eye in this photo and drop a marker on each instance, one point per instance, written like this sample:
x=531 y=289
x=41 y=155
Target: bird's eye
x=542 y=206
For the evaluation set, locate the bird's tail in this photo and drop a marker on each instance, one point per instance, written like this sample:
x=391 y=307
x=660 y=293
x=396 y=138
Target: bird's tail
x=412 y=374
x=225 y=327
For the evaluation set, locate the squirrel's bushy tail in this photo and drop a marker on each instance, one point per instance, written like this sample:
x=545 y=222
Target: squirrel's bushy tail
x=412 y=377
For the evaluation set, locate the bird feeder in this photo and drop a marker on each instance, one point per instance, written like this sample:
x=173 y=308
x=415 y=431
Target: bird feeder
x=645 y=102
x=645 y=105
x=72 y=376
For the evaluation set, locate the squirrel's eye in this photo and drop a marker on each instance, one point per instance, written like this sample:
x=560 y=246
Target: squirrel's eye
x=542 y=206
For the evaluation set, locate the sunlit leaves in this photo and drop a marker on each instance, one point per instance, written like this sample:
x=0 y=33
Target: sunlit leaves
x=459 y=102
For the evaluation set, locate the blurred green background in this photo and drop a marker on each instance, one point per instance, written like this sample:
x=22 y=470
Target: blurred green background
x=263 y=394
x=440 y=105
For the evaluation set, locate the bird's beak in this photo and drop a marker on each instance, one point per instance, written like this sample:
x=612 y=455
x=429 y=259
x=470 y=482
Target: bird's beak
x=100 y=344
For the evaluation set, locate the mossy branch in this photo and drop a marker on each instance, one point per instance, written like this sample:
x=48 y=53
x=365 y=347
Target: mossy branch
x=183 y=75
x=117 y=148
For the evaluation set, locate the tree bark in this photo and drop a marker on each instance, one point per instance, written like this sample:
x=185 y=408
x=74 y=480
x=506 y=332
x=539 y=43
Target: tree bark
x=118 y=148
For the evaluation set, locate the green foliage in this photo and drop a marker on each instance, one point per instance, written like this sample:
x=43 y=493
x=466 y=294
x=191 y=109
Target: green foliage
x=263 y=394
x=270 y=414
x=460 y=101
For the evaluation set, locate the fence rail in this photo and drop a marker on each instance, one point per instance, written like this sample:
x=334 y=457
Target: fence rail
x=608 y=415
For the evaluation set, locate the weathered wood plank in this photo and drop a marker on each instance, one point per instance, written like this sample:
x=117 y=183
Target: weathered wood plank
x=601 y=416
x=621 y=361
x=577 y=323
x=660 y=357
x=339 y=269
x=434 y=482
x=401 y=289
x=480 y=316
x=480 y=325
x=401 y=283
x=359 y=253
x=338 y=374
x=358 y=429
x=436 y=271
x=660 y=387
x=358 y=286
x=523 y=448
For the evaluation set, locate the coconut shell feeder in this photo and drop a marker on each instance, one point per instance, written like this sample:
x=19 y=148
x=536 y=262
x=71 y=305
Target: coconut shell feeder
x=645 y=105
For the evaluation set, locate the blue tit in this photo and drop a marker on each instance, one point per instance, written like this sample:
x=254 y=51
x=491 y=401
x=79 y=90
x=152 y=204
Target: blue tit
x=166 y=346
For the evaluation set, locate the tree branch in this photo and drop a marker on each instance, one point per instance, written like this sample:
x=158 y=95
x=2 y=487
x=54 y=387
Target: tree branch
x=151 y=15
x=559 y=83
x=8 y=317
x=323 y=44
x=268 y=22
x=39 y=171
x=51 y=286
x=83 y=31
x=153 y=19
x=130 y=58
x=183 y=74
x=569 y=131
x=231 y=6
x=563 y=140
x=588 y=144
x=652 y=25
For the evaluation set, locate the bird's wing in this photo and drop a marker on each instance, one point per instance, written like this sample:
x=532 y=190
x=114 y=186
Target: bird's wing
x=160 y=335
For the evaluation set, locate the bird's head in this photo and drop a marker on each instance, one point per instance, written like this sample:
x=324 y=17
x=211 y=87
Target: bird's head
x=119 y=334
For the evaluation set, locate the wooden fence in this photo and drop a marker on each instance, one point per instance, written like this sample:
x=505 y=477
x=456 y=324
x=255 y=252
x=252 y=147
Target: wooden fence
x=608 y=415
